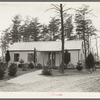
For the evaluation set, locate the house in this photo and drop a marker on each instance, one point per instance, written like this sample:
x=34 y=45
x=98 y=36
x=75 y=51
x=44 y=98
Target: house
x=46 y=51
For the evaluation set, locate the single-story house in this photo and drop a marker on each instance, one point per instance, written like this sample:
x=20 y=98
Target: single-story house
x=46 y=51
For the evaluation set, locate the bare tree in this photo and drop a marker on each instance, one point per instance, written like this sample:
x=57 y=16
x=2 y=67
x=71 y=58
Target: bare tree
x=84 y=26
x=61 y=11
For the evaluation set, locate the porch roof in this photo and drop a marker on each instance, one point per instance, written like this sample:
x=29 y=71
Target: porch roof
x=46 y=45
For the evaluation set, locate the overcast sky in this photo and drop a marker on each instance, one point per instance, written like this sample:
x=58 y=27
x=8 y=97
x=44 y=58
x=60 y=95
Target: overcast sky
x=37 y=9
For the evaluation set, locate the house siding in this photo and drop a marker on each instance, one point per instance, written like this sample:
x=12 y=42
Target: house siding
x=75 y=55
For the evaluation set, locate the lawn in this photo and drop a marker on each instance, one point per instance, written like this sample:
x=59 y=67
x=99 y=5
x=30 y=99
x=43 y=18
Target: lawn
x=19 y=72
x=70 y=81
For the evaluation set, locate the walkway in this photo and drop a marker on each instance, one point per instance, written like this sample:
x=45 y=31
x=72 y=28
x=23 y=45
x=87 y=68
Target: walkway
x=28 y=78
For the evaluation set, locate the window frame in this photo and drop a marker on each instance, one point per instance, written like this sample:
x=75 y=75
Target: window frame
x=15 y=59
x=31 y=58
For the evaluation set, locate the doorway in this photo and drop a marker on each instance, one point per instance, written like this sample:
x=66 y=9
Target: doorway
x=51 y=59
x=66 y=57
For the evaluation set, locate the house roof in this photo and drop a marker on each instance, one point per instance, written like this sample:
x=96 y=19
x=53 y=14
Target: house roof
x=46 y=45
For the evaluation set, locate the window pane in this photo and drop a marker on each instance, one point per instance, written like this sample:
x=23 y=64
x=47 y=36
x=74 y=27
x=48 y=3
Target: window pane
x=16 y=57
x=30 y=57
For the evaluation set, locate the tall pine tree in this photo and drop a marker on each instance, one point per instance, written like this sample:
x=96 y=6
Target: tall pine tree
x=15 y=35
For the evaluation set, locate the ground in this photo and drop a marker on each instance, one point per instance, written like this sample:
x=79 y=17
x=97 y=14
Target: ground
x=70 y=81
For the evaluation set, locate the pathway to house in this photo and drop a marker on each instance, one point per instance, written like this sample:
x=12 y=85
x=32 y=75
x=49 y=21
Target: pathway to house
x=67 y=82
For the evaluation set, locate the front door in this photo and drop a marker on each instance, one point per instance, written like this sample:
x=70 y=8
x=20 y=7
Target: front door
x=52 y=59
x=66 y=57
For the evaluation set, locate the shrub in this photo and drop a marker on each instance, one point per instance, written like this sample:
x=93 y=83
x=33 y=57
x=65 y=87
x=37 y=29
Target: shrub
x=25 y=66
x=61 y=68
x=90 y=61
x=71 y=65
x=97 y=63
x=46 y=70
x=79 y=66
x=39 y=66
x=2 y=70
x=12 y=69
x=21 y=63
x=31 y=65
x=55 y=67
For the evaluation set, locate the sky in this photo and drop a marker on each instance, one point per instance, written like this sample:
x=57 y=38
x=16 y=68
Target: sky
x=38 y=9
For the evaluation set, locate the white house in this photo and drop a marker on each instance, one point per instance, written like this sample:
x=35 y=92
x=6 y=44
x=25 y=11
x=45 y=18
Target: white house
x=46 y=51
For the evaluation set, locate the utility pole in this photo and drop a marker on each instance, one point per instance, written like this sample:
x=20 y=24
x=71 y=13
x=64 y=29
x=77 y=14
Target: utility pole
x=62 y=37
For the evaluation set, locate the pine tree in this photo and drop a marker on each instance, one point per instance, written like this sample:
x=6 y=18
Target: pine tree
x=44 y=33
x=34 y=28
x=54 y=28
x=90 y=61
x=83 y=26
x=15 y=35
x=68 y=28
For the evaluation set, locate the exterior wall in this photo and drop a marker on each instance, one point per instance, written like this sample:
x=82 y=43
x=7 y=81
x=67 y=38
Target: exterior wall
x=45 y=60
x=58 y=59
x=82 y=54
x=42 y=57
x=24 y=56
x=74 y=56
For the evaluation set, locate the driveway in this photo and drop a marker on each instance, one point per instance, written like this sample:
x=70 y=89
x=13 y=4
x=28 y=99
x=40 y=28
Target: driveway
x=28 y=78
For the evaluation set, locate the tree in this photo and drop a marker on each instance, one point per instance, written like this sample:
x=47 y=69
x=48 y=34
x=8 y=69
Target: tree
x=83 y=26
x=61 y=11
x=68 y=28
x=5 y=41
x=31 y=30
x=25 y=31
x=15 y=35
x=35 y=57
x=90 y=61
x=54 y=28
x=62 y=36
x=7 y=57
x=34 y=29
x=44 y=33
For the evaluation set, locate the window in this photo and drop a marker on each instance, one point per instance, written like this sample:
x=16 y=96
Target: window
x=30 y=57
x=16 y=57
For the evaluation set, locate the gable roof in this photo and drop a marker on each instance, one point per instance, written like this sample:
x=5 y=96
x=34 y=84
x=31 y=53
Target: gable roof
x=46 y=45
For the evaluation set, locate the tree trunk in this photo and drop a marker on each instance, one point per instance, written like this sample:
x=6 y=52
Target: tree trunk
x=62 y=36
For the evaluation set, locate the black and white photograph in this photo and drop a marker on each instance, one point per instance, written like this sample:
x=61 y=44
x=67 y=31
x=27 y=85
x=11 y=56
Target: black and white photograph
x=50 y=47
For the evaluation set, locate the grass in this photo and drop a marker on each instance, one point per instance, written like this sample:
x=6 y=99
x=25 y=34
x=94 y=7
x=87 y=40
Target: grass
x=72 y=80
x=4 y=83
x=19 y=72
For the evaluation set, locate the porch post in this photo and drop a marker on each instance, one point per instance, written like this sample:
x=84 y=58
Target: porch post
x=43 y=58
x=78 y=55
x=51 y=59
x=59 y=58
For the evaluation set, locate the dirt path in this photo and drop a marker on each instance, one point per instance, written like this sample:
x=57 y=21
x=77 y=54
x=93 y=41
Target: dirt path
x=35 y=82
